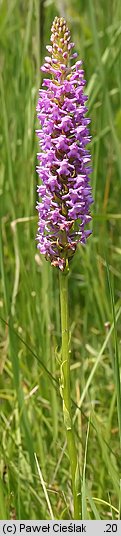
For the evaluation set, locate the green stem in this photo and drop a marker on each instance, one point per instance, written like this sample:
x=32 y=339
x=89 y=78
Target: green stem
x=65 y=393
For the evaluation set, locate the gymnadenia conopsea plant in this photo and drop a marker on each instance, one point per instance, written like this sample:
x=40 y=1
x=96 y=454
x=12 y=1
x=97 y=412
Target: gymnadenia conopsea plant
x=64 y=192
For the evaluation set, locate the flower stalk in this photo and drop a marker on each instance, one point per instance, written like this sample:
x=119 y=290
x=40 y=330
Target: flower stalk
x=66 y=396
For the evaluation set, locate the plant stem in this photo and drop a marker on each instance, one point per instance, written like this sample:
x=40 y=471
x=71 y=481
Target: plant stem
x=65 y=393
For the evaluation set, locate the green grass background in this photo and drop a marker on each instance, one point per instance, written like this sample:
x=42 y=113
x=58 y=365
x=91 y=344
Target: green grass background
x=30 y=406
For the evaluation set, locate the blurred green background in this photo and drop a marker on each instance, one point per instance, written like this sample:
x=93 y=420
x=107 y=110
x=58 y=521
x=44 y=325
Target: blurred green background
x=30 y=405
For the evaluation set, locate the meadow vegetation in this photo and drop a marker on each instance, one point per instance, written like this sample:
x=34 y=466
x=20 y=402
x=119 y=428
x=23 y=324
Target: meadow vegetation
x=31 y=418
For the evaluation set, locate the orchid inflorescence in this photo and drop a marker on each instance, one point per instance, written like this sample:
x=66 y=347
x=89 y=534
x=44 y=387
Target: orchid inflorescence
x=64 y=160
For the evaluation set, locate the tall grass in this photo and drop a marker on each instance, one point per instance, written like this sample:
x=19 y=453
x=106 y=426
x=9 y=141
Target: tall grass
x=34 y=477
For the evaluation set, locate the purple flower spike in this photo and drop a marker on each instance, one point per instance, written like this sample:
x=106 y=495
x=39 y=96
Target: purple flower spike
x=64 y=161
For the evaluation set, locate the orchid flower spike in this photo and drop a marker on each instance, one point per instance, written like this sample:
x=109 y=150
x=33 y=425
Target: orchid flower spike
x=63 y=160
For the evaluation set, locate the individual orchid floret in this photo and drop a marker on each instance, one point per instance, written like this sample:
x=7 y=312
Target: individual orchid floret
x=64 y=160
